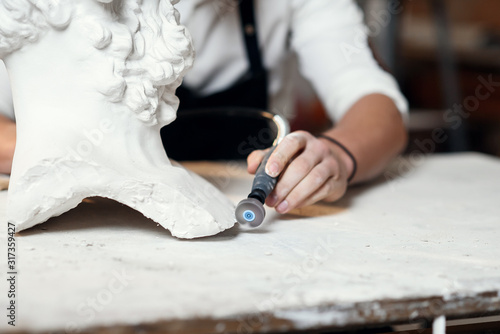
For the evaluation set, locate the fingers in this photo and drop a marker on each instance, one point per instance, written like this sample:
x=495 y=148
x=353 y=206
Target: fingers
x=321 y=182
x=333 y=189
x=309 y=171
x=285 y=151
x=297 y=170
x=314 y=174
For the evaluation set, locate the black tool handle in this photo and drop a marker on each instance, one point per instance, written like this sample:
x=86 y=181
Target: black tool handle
x=263 y=184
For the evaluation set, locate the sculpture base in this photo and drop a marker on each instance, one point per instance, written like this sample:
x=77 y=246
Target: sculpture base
x=180 y=201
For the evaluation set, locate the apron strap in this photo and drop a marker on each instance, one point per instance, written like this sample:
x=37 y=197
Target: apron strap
x=203 y=134
x=249 y=29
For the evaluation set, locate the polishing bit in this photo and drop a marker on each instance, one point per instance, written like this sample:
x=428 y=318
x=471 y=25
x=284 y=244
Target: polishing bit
x=250 y=212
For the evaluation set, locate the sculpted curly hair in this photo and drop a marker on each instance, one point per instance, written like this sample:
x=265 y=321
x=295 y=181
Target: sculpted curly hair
x=150 y=51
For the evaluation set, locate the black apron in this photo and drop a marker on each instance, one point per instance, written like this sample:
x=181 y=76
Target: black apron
x=218 y=125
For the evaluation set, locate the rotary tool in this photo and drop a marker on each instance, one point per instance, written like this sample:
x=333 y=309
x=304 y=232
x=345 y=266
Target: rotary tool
x=250 y=212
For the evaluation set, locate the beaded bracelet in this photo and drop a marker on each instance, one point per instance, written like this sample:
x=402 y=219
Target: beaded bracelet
x=354 y=163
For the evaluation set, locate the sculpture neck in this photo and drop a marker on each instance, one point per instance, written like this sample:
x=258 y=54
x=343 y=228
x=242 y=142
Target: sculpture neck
x=56 y=99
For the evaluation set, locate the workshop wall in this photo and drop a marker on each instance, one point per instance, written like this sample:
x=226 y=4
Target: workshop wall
x=474 y=34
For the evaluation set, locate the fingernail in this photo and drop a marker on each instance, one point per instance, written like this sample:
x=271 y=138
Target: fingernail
x=272 y=170
x=272 y=199
x=283 y=207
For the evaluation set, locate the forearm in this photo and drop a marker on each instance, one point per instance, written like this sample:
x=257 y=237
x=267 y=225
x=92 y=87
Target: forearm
x=374 y=132
x=7 y=144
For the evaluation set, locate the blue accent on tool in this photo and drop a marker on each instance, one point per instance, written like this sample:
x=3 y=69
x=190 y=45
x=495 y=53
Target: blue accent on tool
x=249 y=215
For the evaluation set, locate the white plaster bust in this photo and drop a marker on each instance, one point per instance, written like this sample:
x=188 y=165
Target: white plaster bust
x=93 y=82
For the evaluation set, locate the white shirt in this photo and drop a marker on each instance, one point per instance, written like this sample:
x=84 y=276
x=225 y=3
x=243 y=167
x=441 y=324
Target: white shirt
x=328 y=37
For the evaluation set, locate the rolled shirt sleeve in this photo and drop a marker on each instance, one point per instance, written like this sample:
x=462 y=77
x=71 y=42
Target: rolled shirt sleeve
x=6 y=105
x=331 y=41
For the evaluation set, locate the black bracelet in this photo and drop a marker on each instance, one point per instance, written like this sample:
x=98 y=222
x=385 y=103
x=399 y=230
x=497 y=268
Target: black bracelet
x=354 y=163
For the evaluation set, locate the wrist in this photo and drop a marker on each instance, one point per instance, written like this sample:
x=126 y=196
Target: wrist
x=344 y=154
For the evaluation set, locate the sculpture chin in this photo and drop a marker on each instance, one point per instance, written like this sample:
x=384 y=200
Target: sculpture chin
x=91 y=95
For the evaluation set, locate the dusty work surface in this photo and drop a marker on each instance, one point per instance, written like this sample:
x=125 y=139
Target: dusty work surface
x=417 y=245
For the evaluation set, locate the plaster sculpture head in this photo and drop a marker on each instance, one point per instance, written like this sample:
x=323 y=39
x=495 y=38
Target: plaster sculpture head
x=93 y=82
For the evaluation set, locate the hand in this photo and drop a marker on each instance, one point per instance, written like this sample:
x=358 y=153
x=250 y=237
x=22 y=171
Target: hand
x=310 y=169
x=7 y=144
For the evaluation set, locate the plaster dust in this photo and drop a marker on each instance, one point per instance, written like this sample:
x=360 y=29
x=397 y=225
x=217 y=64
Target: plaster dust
x=432 y=231
x=93 y=82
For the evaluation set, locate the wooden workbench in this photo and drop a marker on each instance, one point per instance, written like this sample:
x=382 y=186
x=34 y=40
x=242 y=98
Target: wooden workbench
x=421 y=242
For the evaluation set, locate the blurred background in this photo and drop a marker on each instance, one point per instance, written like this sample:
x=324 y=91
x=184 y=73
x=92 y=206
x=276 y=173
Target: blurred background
x=445 y=55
